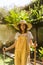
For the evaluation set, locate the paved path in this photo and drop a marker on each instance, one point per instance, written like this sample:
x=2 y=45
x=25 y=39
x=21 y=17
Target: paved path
x=12 y=56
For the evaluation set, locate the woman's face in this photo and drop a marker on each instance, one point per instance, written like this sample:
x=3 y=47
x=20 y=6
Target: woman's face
x=22 y=26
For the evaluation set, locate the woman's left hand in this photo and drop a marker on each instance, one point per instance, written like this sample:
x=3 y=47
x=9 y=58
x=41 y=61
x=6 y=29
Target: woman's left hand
x=35 y=44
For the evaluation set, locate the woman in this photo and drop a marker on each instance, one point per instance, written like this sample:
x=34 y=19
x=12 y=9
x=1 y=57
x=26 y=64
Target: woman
x=23 y=40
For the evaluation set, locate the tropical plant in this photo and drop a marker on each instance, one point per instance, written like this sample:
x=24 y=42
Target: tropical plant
x=41 y=52
x=36 y=14
x=16 y=16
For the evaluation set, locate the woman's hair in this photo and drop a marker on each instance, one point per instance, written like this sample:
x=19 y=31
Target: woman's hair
x=20 y=28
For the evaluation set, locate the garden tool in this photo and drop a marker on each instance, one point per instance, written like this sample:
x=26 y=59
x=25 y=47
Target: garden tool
x=35 y=53
x=4 y=53
x=4 y=57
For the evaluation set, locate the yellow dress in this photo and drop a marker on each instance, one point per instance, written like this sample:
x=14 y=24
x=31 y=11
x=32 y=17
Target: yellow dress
x=21 y=50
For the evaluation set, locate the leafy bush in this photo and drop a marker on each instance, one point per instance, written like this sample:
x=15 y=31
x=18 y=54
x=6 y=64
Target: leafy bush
x=41 y=52
x=15 y=17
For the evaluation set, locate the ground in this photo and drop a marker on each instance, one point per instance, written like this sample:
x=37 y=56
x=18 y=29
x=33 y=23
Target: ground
x=9 y=61
x=6 y=61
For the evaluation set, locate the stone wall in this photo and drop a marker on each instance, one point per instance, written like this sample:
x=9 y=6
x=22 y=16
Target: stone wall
x=6 y=33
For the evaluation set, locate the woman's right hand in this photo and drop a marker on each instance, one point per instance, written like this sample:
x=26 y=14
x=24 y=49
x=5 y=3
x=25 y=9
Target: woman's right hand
x=4 y=49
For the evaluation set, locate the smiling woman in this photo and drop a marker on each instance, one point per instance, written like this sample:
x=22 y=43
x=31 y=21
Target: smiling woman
x=11 y=3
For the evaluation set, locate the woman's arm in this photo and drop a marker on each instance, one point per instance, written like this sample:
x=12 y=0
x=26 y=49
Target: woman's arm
x=9 y=48
x=31 y=42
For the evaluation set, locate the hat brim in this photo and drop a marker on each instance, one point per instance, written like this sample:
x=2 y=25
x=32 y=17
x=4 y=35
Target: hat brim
x=28 y=24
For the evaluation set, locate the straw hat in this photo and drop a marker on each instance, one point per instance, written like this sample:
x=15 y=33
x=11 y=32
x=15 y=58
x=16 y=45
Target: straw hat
x=23 y=22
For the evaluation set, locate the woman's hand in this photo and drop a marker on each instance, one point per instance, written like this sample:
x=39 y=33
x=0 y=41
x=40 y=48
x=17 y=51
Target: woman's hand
x=35 y=44
x=4 y=49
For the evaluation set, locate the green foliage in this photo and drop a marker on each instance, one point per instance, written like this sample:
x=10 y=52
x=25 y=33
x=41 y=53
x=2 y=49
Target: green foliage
x=41 y=52
x=6 y=61
x=15 y=17
x=32 y=48
x=34 y=15
x=11 y=18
